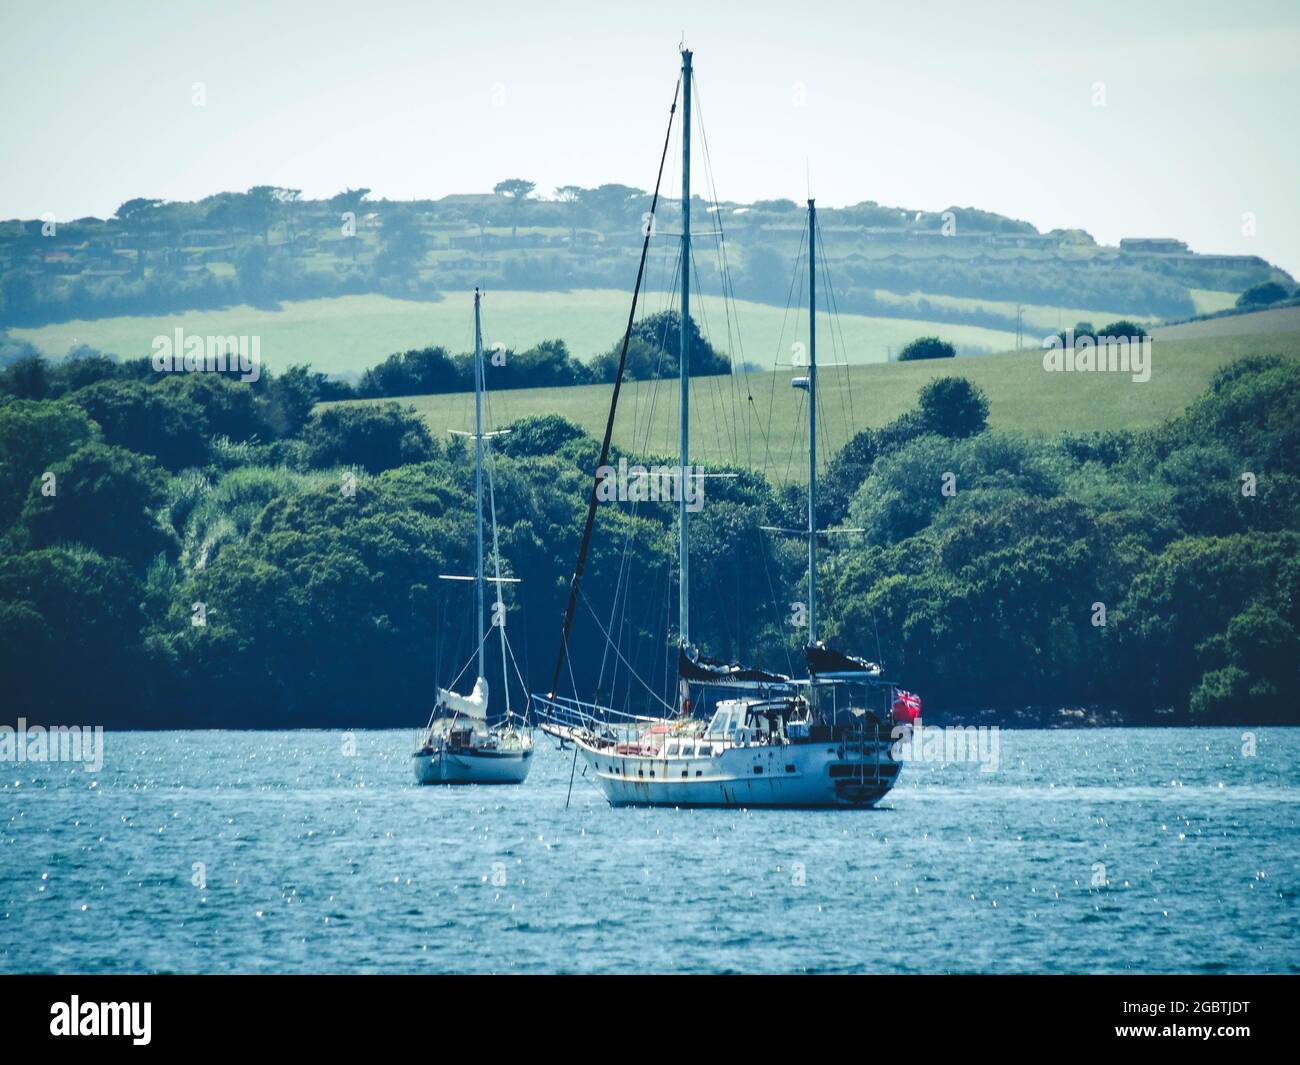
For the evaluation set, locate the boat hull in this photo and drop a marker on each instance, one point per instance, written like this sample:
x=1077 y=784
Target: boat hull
x=472 y=767
x=789 y=776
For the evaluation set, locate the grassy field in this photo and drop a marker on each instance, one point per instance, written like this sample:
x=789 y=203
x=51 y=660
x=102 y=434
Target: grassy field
x=351 y=333
x=1040 y=319
x=1211 y=301
x=1256 y=323
x=767 y=435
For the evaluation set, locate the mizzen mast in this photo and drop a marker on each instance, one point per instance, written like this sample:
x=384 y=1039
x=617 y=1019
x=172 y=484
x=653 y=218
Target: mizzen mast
x=683 y=367
x=478 y=474
x=812 y=421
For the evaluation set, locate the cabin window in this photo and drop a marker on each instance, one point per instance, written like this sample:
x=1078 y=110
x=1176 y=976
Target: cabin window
x=699 y=773
x=685 y=773
x=789 y=769
x=640 y=773
x=758 y=769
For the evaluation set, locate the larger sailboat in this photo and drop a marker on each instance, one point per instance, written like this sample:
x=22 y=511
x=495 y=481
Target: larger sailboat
x=739 y=736
x=457 y=746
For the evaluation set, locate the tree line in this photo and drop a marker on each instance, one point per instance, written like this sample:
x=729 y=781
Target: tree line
x=189 y=550
x=154 y=256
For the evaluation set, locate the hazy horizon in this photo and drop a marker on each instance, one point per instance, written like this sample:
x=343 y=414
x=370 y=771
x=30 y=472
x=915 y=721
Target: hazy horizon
x=922 y=111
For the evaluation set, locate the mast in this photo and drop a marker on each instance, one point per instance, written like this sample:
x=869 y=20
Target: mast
x=683 y=366
x=594 y=497
x=478 y=471
x=812 y=421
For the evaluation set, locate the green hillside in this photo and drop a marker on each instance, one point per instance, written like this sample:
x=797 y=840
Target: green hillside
x=347 y=334
x=1022 y=396
x=268 y=248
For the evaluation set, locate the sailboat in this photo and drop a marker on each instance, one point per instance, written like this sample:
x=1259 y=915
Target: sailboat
x=739 y=736
x=457 y=746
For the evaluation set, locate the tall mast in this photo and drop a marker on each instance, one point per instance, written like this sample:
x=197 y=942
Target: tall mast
x=478 y=471
x=812 y=421
x=683 y=365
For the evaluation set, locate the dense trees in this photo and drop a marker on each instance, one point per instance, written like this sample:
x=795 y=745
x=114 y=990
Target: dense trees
x=103 y=498
x=190 y=550
x=165 y=424
x=71 y=647
x=374 y=437
x=1141 y=570
x=1262 y=295
x=432 y=370
x=411 y=373
x=653 y=349
x=946 y=407
x=34 y=436
x=1115 y=330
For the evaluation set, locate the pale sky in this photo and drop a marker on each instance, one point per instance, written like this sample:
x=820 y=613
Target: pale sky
x=922 y=105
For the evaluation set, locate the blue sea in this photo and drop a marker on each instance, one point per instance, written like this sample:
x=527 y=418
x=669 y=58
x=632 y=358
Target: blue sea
x=1117 y=850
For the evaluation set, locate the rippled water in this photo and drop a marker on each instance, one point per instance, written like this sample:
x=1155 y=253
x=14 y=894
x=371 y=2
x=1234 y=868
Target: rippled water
x=316 y=861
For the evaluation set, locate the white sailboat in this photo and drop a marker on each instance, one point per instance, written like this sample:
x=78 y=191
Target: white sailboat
x=458 y=746
x=767 y=739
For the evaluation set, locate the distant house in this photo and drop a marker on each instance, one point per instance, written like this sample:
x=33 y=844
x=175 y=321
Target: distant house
x=1153 y=246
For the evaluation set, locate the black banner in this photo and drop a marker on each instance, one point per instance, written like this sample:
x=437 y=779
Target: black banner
x=337 y=1013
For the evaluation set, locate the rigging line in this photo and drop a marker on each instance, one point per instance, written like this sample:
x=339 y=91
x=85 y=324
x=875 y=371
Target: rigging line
x=837 y=326
x=518 y=674
x=661 y=648
x=643 y=447
x=572 y=770
x=623 y=586
x=596 y=617
x=656 y=382
x=437 y=652
x=661 y=355
x=728 y=283
x=473 y=655
x=727 y=422
x=666 y=302
x=627 y=539
x=795 y=275
x=613 y=408
x=880 y=659
x=645 y=649
x=496 y=569
x=833 y=361
x=776 y=605
x=710 y=385
x=794 y=436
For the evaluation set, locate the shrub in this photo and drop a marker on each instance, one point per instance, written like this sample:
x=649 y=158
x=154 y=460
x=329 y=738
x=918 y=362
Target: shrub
x=927 y=348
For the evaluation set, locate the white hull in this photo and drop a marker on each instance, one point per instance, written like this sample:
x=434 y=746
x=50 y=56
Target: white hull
x=472 y=767
x=788 y=775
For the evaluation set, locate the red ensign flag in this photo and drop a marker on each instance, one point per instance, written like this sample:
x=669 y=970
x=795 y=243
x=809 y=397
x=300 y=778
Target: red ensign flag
x=907 y=707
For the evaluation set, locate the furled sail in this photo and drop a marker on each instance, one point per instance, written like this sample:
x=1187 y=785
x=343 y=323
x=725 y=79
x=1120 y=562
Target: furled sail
x=826 y=661
x=474 y=705
x=695 y=667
